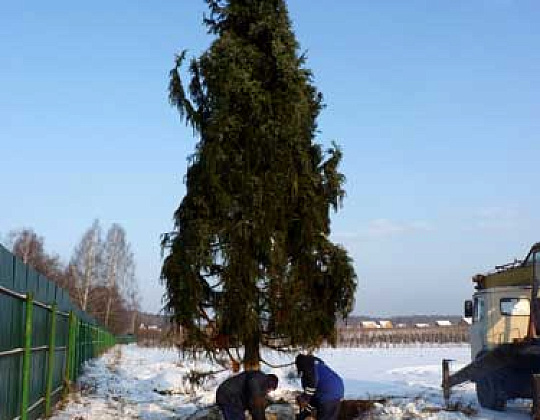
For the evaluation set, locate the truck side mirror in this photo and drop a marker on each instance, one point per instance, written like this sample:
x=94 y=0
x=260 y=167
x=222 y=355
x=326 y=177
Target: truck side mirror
x=468 y=309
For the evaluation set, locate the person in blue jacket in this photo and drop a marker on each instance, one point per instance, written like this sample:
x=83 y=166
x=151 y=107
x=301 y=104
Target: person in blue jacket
x=322 y=388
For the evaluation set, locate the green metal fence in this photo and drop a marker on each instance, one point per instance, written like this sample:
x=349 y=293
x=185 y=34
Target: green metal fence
x=44 y=341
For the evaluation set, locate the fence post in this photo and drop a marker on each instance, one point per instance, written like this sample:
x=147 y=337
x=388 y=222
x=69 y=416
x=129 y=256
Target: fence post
x=78 y=352
x=76 y=349
x=68 y=362
x=82 y=339
x=100 y=344
x=69 y=352
x=93 y=352
x=27 y=355
x=50 y=365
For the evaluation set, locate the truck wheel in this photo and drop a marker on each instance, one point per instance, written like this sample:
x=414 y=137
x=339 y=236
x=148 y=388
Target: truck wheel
x=536 y=397
x=489 y=393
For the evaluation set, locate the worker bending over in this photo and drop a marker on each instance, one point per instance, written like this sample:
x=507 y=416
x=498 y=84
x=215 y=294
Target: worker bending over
x=245 y=391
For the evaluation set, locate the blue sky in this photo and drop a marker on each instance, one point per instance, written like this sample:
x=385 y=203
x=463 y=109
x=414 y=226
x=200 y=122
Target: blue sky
x=435 y=104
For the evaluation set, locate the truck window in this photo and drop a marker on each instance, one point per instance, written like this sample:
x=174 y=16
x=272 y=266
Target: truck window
x=478 y=313
x=515 y=307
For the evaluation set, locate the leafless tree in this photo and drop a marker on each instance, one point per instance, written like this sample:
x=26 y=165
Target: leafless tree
x=85 y=264
x=119 y=317
x=100 y=277
x=133 y=304
x=29 y=247
x=119 y=266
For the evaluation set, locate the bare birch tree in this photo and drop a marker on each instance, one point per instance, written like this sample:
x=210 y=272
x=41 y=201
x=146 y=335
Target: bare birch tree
x=85 y=263
x=133 y=304
x=29 y=247
x=119 y=266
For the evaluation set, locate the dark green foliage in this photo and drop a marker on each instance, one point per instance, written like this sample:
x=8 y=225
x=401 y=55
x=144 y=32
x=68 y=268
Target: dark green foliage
x=251 y=261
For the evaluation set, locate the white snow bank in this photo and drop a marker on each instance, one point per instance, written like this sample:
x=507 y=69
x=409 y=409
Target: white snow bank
x=131 y=382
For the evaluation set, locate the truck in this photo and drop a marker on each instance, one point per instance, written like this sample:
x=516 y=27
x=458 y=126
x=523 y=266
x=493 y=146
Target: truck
x=504 y=335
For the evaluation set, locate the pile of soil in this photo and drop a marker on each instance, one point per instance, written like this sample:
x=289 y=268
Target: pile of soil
x=350 y=410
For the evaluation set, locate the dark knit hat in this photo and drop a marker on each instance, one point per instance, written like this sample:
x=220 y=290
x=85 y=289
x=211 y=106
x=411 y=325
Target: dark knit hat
x=271 y=381
x=300 y=361
x=304 y=363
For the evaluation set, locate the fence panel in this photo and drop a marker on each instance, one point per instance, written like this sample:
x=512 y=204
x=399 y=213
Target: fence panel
x=57 y=344
x=10 y=338
x=39 y=344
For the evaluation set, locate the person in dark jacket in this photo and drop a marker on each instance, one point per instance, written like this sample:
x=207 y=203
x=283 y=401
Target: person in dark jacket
x=245 y=391
x=323 y=388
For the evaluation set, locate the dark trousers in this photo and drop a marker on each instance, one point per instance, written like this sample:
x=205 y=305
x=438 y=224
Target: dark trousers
x=328 y=410
x=232 y=412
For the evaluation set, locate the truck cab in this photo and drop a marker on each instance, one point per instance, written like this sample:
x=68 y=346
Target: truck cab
x=500 y=315
x=501 y=307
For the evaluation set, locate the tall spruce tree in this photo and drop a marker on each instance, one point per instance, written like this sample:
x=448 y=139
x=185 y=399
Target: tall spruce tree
x=250 y=261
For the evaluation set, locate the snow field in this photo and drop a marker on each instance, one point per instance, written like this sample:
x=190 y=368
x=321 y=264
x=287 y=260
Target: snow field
x=131 y=382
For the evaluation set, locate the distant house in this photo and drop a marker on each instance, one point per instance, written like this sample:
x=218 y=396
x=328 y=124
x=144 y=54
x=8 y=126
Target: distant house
x=401 y=325
x=443 y=323
x=142 y=326
x=385 y=324
x=465 y=321
x=421 y=325
x=370 y=325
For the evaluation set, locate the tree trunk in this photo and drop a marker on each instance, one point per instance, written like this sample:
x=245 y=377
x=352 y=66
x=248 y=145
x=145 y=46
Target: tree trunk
x=252 y=356
x=89 y=267
x=85 y=297
x=108 y=310
x=133 y=321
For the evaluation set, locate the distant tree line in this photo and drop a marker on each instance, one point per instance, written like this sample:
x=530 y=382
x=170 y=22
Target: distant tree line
x=409 y=320
x=100 y=275
x=395 y=337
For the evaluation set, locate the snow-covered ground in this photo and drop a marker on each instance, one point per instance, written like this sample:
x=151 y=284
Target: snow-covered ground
x=131 y=382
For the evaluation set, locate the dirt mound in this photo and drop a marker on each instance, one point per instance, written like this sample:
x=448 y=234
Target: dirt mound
x=350 y=410
x=356 y=409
